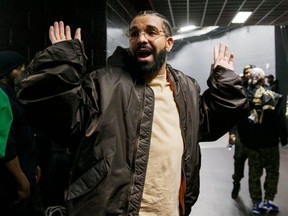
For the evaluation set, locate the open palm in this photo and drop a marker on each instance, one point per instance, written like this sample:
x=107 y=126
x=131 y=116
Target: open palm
x=59 y=32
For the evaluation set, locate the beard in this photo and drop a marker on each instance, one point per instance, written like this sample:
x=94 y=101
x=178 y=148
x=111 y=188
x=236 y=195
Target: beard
x=148 y=70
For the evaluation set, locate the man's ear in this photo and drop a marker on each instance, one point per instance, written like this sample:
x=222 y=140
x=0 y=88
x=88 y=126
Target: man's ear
x=169 y=44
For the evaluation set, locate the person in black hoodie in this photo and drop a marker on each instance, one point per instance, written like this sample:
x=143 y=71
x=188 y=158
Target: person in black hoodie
x=21 y=148
x=240 y=155
x=260 y=134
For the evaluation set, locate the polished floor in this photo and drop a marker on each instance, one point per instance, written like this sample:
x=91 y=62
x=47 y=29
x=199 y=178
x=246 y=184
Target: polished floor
x=216 y=184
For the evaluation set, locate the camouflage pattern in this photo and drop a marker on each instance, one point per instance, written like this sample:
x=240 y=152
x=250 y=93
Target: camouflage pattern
x=240 y=156
x=268 y=159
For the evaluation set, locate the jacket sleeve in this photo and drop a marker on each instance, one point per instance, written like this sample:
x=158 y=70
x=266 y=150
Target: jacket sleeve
x=51 y=90
x=224 y=103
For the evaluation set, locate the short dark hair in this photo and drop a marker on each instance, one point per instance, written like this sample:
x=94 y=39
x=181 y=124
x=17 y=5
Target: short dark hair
x=270 y=76
x=166 y=23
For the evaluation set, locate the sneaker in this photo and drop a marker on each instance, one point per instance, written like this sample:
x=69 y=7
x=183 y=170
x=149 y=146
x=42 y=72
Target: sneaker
x=55 y=211
x=257 y=207
x=269 y=205
x=236 y=189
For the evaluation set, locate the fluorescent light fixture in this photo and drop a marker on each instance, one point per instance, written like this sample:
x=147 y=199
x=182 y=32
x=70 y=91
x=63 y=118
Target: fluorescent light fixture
x=187 y=28
x=241 y=17
x=199 y=32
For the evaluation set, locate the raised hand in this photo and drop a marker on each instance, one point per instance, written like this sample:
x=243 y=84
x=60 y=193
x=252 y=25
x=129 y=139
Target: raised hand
x=58 y=32
x=222 y=57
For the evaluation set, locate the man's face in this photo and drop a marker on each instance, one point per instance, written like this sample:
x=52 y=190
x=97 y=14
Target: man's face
x=16 y=72
x=246 y=74
x=149 y=44
x=270 y=80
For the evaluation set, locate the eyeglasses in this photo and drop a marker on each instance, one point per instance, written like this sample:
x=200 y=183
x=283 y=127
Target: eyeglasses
x=150 y=34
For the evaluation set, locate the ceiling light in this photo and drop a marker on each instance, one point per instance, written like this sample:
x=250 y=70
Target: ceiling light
x=199 y=32
x=187 y=28
x=241 y=17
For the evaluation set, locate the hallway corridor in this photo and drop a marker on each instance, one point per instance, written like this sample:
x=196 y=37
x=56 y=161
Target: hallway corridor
x=216 y=183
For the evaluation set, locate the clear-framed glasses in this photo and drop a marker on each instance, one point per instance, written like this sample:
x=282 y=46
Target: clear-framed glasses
x=150 y=33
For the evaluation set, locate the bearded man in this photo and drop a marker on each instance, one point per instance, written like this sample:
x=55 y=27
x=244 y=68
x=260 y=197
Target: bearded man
x=135 y=124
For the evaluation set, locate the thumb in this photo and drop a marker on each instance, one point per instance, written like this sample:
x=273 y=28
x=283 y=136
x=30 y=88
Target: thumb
x=78 y=34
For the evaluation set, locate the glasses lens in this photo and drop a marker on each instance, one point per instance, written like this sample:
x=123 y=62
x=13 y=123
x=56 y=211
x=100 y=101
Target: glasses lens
x=150 y=33
x=133 y=33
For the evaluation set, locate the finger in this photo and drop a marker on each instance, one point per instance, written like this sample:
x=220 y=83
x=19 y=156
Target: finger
x=231 y=59
x=221 y=51
x=215 y=53
x=68 y=32
x=56 y=31
x=226 y=52
x=52 y=35
x=61 y=31
x=78 y=34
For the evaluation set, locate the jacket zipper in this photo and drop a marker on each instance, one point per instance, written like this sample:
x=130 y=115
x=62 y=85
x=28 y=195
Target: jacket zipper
x=134 y=158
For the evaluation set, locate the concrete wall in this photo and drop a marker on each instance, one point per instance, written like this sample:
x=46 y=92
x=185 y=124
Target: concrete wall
x=250 y=45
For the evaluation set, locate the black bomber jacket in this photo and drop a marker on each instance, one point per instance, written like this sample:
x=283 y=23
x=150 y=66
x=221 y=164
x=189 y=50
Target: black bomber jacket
x=107 y=117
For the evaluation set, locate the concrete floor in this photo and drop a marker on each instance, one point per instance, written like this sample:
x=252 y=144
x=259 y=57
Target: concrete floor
x=216 y=184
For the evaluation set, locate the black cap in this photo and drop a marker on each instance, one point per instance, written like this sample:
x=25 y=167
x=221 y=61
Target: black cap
x=9 y=60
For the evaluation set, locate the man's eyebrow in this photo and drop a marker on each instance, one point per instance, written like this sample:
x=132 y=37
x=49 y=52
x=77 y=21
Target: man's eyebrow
x=133 y=27
x=151 y=27
x=148 y=26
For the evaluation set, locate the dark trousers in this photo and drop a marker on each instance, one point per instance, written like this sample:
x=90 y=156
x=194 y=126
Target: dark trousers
x=240 y=157
x=31 y=207
x=268 y=159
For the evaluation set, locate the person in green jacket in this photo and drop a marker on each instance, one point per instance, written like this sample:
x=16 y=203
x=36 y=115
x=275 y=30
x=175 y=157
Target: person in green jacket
x=6 y=118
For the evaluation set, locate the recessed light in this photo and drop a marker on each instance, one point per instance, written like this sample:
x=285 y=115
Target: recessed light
x=241 y=17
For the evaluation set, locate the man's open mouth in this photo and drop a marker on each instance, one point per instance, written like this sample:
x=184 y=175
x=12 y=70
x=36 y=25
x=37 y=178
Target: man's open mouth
x=143 y=54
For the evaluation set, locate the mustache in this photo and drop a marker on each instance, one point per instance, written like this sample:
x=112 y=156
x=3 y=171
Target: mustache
x=143 y=46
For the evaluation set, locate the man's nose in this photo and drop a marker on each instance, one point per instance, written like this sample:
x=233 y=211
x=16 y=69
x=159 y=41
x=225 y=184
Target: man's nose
x=142 y=36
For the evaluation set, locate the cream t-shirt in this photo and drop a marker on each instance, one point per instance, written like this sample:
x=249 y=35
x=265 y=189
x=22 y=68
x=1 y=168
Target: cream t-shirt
x=163 y=176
